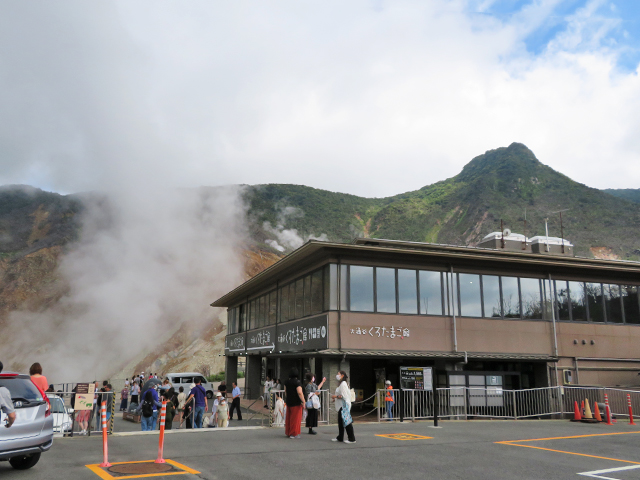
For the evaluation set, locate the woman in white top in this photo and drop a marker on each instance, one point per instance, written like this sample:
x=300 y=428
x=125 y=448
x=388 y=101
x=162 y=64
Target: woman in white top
x=343 y=407
x=267 y=388
x=182 y=397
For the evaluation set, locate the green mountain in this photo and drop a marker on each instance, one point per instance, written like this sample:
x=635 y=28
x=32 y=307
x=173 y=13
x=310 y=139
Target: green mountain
x=507 y=184
x=631 y=194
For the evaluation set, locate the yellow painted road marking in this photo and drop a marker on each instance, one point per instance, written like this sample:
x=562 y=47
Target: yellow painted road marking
x=403 y=436
x=516 y=443
x=104 y=474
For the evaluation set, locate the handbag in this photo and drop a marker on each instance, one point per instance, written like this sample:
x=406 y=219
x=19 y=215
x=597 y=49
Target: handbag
x=315 y=400
x=309 y=403
x=346 y=416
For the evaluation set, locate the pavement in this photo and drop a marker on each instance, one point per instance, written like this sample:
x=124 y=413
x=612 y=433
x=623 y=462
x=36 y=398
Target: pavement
x=523 y=449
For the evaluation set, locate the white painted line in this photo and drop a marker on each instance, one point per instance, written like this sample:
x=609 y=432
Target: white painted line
x=596 y=473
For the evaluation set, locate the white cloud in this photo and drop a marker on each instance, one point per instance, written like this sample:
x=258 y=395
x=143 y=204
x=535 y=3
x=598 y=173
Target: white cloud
x=368 y=98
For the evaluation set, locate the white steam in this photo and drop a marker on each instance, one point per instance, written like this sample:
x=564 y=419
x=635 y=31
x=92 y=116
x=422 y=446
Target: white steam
x=147 y=261
x=288 y=238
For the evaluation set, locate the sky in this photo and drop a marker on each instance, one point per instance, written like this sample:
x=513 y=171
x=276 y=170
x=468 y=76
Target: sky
x=369 y=97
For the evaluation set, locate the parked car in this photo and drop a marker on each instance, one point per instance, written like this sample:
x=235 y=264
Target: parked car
x=187 y=378
x=61 y=414
x=32 y=432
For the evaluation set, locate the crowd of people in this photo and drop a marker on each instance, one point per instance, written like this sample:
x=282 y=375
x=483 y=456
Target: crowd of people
x=144 y=397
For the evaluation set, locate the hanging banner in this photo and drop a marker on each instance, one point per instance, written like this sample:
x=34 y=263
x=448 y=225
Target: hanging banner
x=308 y=334
x=234 y=344
x=262 y=340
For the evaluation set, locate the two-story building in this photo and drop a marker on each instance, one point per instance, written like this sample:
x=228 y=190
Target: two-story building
x=514 y=319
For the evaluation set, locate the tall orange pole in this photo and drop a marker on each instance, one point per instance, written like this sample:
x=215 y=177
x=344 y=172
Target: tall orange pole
x=105 y=451
x=163 y=416
x=608 y=410
x=631 y=422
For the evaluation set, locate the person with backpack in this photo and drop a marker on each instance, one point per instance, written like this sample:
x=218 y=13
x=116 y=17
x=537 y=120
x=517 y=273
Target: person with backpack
x=342 y=398
x=150 y=404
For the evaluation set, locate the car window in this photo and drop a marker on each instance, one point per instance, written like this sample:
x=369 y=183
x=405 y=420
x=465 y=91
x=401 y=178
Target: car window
x=21 y=388
x=203 y=380
x=57 y=406
x=187 y=379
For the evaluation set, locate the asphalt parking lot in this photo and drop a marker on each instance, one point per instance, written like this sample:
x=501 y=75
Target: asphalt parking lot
x=460 y=450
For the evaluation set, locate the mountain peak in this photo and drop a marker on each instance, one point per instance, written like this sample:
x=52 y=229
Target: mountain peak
x=514 y=161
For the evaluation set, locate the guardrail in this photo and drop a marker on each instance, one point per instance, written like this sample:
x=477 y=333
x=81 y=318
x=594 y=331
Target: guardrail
x=495 y=402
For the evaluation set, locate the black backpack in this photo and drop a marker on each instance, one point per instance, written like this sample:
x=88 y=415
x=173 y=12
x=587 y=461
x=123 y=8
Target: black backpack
x=147 y=406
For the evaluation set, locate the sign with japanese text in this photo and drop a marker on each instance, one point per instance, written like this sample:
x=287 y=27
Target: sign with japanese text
x=261 y=340
x=392 y=332
x=303 y=335
x=235 y=344
x=416 y=378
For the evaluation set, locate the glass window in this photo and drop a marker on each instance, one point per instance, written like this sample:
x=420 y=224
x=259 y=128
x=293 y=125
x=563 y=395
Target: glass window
x=300 y=298
x=407 y=291
x=430 y=292
x=344 y=304
x=307 y=295
x=330 y=287
x=386 y=290
x=264 y=305
x=292 y=301
x=578 y=302
x=491 y=295
x=631 y=304
x=284 y=304
x=531 y=298
x=361 y=288
x=242 y=326
x=595 y=302
x=510 y=297
x=252 y=315
x=613 y=303
x=273 y=307
x=316 y=292
x=470 y=304
x=562 y=300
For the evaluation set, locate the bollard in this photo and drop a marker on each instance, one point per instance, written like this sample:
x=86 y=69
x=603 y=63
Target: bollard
x=631 y=422
x=105 y=452
x=608 y=410
x=163 y=415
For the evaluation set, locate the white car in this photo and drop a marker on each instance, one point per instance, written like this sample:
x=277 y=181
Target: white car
x=61 y=415
x=187 y=378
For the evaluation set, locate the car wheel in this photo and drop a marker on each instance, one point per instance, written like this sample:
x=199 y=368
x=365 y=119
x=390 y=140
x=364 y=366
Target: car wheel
x=209 y=394
x=24 y=462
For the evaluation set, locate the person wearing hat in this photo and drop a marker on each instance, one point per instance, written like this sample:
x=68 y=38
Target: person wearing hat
x=389 y=400
x=214 y=410
x=222 y=411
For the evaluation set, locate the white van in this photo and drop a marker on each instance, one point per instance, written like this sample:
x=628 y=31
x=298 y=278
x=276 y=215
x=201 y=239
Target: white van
x=185 y=380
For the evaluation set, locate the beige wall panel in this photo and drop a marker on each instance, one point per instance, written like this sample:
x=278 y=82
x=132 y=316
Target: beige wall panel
x=504 y=336
x=611 y=341
x=425 y=333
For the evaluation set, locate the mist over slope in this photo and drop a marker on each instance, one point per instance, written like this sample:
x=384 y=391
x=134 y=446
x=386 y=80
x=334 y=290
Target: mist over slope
x=91 y=284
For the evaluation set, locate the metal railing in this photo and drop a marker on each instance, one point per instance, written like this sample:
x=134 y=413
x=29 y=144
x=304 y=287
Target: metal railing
x=278 y=409
x=495 y=402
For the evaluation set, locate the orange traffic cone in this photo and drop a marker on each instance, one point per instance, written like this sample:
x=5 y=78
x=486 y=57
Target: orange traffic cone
x=596 y=412
x=582 y=407
x=576 y=412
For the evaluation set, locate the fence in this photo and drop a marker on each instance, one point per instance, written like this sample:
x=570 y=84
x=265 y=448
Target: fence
x=494 y=402
x=278 y=411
